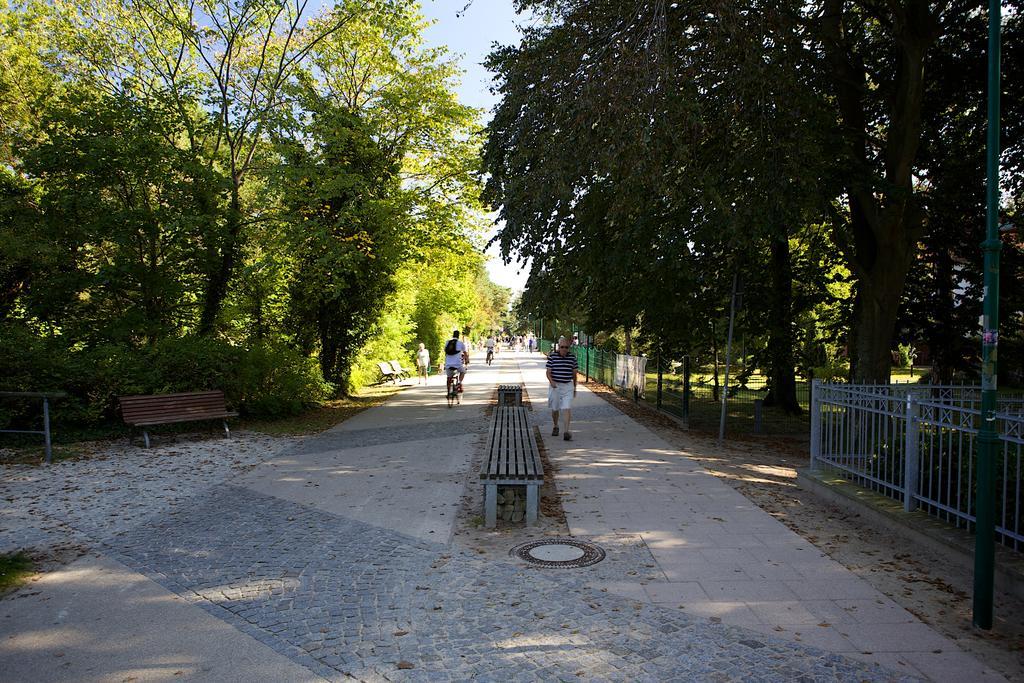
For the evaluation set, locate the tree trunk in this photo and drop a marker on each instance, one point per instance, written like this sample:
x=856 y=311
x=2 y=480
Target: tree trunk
x=878 y=300
x=782 y=376
x=217 y=285
x=885 y=219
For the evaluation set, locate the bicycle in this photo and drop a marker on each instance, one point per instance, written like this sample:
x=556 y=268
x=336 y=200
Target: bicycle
x=455 y=387
x=490 y=356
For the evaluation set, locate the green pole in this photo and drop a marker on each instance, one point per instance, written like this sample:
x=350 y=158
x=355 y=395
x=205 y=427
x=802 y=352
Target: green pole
x=988 y=440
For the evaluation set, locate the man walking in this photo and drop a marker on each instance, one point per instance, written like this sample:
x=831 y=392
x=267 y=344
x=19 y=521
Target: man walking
x=561 y=371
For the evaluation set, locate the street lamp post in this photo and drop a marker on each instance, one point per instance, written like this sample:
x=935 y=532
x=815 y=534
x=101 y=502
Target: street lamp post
x=988 y=439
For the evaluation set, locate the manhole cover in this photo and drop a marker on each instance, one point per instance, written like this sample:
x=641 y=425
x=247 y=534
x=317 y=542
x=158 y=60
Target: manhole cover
x=559 y=552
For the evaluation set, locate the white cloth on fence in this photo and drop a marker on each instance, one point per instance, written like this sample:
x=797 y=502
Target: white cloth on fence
x=630 y=372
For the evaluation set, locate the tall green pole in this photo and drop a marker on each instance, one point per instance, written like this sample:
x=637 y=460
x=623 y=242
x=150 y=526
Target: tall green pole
x=988 y=439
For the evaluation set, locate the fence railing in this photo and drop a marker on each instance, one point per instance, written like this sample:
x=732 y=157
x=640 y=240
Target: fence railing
x=918 y=444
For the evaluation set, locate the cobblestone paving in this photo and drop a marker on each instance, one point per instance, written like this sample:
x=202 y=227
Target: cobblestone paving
x=350 y=600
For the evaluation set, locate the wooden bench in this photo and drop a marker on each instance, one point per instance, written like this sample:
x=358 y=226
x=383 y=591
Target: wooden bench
x=512 y=460
x=146 y=411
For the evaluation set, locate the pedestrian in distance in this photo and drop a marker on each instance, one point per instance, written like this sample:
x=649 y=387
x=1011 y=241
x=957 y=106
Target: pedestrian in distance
x=422 y=363
x=561 y=372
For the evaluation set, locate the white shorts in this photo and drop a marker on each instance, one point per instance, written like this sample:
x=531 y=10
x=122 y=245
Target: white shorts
x=452 y=370
x=560 y=396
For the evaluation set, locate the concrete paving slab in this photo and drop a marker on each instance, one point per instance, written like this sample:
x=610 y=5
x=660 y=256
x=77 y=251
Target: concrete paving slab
x=413 y=487
x=736 y=613
x=902 y=638
x=782 y=612
x=747 y=591
x=675 y=592
x=97 y=620
x=834 y=589
x=618 y=475
x=875 y=610
x=815 y=635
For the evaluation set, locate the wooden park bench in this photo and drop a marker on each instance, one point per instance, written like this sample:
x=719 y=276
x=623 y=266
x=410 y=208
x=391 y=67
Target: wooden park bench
x=512 y=460
x=146 y=411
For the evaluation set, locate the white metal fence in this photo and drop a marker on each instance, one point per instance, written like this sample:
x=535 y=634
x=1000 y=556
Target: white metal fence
x=917 y=443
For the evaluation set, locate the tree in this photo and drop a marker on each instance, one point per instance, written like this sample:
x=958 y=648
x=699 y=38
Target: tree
x=810 y=114
x=635 y=161
x=347 y=240
x=234 y=56
x=121 y=212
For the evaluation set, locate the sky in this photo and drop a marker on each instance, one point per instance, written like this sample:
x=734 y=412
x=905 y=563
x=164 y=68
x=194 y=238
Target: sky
x=470 y=35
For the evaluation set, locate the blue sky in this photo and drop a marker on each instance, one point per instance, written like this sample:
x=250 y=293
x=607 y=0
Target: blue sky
x=471 y=35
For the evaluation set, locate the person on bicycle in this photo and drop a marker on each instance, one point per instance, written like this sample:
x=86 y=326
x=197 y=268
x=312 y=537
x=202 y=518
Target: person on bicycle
x=456 y=358
x=489 y=344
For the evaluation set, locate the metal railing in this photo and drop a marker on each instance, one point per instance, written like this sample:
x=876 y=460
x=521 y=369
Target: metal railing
x=918 y=444
x=45 y=431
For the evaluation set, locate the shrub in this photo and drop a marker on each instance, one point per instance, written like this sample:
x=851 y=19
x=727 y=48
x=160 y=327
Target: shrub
x=266 y=379
x=275 y=380
x=838 y=369
x=905 y=355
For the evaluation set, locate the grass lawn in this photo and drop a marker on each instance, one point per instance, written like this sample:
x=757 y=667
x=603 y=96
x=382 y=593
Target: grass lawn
x=15 y=569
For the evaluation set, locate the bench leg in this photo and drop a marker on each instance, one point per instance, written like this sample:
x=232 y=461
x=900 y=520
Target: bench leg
x=227 y=432
x=531 y=504
x=145 y=437
x=490 y=505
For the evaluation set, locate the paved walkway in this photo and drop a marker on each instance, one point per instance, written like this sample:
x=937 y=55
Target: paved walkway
x=720 y=556
x=333 y=559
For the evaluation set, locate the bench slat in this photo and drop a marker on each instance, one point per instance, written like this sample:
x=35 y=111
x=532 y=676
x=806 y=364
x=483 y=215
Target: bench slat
x=492 y=450
x=167 y=408
x=529 y=456
x=512 y=452
x=184 y=418
x=522 y=441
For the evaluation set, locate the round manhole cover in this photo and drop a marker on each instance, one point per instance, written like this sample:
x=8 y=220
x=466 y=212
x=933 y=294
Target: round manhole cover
x=559 y=552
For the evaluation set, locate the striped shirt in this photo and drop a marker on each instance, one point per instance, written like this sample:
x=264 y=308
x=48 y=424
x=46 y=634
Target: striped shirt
x=562 y=369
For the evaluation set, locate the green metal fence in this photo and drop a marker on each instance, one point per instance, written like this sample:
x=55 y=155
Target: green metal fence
x=693 y=394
